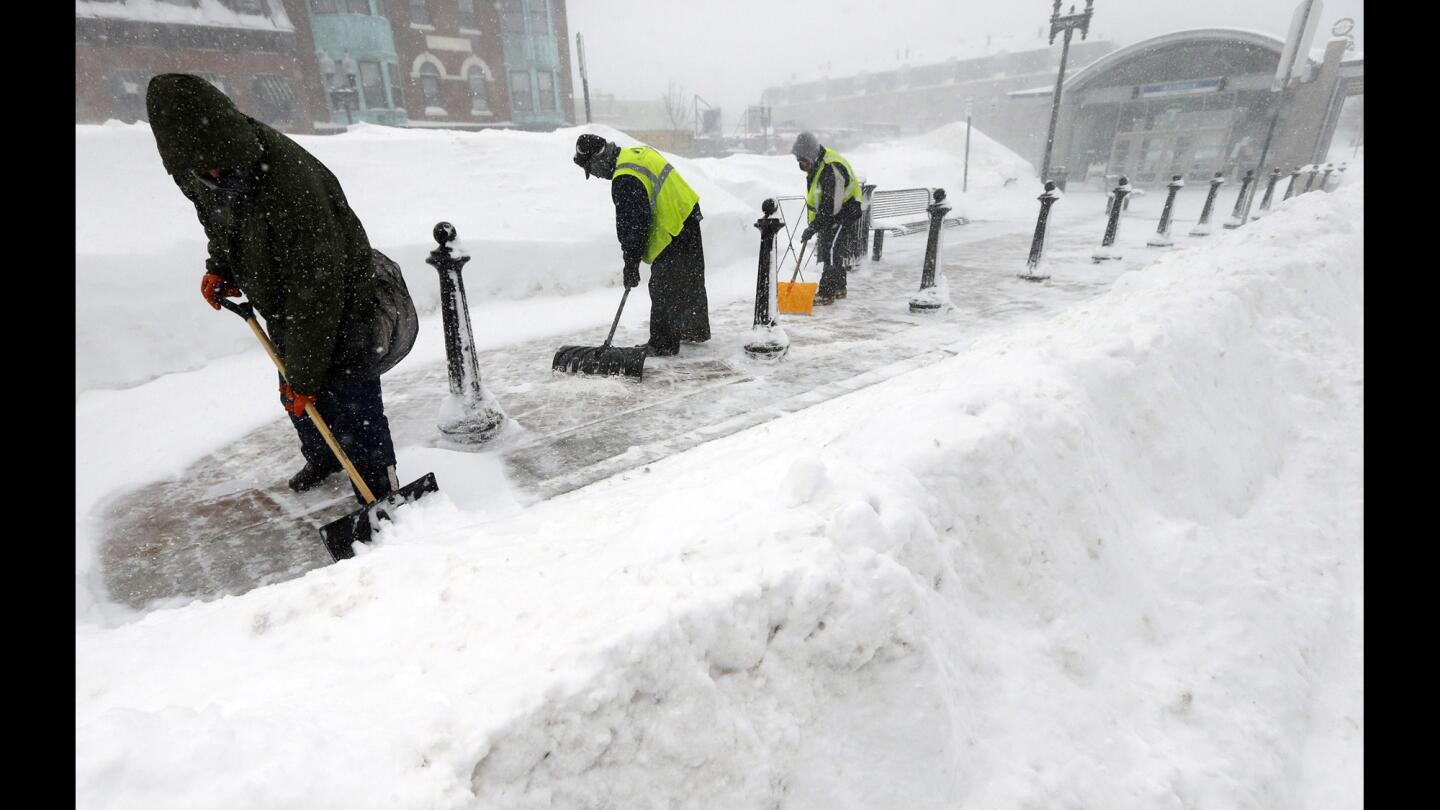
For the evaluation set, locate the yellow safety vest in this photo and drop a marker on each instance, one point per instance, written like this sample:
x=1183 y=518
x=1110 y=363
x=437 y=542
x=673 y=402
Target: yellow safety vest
x=812 y=195
x=671 y=198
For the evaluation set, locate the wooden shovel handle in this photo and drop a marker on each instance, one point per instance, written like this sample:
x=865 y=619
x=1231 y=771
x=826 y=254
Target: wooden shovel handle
x=798 y=260
x=248 y=313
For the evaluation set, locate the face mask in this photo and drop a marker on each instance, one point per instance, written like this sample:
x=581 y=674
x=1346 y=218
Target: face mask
x=232 y=182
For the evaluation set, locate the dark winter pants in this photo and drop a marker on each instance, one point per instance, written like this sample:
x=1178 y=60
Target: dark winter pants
x=355 y=415
x=679 y=308
x=831 y=252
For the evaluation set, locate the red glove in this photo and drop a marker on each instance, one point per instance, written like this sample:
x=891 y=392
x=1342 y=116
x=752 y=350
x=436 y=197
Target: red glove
x=214 y=287
x=293 y=402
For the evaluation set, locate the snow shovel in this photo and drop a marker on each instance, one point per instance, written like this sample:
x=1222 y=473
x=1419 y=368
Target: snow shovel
x=604 y=360
x=341 y=535
x=796 y=297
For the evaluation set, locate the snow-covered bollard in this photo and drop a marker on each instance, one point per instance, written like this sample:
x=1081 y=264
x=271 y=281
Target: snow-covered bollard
x=862 y=237
x=1294 y=181
x=768 y=340
x=1239 y=210
x=1037 y=243
x=1269 y=194
x=1329 y=170
x=1162 y=233
x=933 y=297
x=1107 y=250
x=1202 y=228
x=469 y=415
x=1312 y=170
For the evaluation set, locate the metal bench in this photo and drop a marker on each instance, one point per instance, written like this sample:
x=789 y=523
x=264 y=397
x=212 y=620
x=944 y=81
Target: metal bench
x=889 y=206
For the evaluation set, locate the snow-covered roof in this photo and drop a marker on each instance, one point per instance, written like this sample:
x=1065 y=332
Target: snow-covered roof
x=1098 y=67
x=210 y=13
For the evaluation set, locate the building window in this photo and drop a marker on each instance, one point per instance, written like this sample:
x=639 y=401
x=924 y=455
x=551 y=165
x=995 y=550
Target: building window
x=358 y=6
x=479 y=90
x=372 y=86
x=539 y=17
x=467 y=15
x=430 y=85
x=322 y=6
x=546 y=82
x=395 y=94
x=127 y=89
x=512 y=16
x=274 y=99
x=419 y=12
x=249 y=7
x=520 y=98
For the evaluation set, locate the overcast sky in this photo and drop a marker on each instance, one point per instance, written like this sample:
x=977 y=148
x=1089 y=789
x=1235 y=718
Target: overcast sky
x=728 y=51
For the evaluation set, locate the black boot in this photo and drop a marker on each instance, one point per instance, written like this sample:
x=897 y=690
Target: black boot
x=311 y=475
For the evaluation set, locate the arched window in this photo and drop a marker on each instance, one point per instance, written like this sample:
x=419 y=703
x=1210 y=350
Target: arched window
x=479 y=90
x=430 y=85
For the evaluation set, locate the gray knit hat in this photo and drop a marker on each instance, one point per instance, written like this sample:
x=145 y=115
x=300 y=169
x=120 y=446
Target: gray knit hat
x=807 y=146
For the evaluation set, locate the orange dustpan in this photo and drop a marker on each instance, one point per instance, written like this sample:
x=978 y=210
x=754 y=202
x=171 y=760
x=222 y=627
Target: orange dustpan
x=796 y=297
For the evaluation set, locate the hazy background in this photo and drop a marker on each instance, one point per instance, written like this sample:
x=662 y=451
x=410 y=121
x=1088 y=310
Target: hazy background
x=728 y=52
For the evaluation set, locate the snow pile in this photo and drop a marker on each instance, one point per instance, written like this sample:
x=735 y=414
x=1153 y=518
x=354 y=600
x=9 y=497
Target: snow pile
x=1002 y=185
x=1110 y=560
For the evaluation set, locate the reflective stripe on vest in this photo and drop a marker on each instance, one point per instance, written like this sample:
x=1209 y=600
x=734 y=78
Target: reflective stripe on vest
x=812 y=194
x=671 y=198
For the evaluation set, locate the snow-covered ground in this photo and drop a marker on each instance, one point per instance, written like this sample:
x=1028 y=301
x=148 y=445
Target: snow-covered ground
x=1109 y=559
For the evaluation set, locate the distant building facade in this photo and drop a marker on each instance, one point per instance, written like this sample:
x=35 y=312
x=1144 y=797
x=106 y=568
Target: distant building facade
x=360 y=69
x=918 y=98
x=1189 y=103
x=256 y=51
x=319 y=65
x=1193 y=103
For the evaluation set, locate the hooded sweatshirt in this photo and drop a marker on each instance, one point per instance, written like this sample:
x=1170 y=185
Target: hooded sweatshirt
x=287 y=238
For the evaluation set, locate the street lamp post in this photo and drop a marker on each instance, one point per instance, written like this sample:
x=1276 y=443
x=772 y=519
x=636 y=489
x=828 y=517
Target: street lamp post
x=965 y=181
x=1068 y=24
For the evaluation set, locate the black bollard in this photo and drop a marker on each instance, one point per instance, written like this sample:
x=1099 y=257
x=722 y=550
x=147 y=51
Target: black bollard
x=1329 y=170
x=1037 y=243
x=1312 y=170
x=1294 y=180
x=1162 y=233
x=470 y=415
x=931 y=298
x=1202 y=228
x=1107 y=250
x=856 y=241
x=1269 y=194
x=767 y=340
x=1239 y=208
x=867 y=190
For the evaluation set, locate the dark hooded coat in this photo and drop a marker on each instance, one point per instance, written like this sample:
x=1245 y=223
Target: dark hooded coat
x=287 y=239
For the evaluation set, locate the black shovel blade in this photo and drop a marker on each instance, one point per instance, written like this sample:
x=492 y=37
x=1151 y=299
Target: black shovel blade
x=341 y=535
x=607 y=361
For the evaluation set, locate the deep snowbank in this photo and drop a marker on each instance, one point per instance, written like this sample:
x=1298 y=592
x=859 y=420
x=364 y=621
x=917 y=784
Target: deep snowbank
x=533 y=225
x=1112 y=560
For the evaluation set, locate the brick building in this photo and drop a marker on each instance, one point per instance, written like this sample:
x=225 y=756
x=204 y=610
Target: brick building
x=317 y=65
x=257 y=51
x=474 y=64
